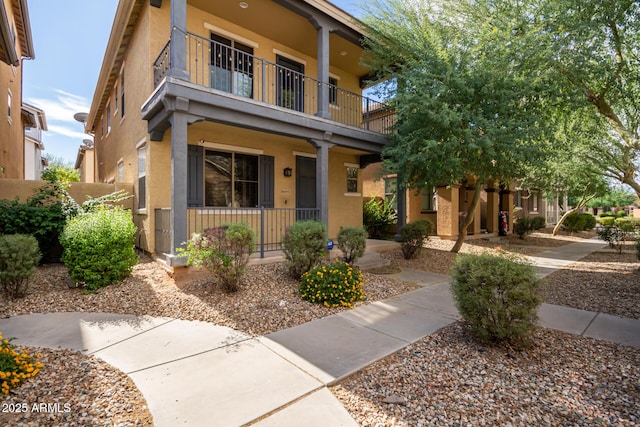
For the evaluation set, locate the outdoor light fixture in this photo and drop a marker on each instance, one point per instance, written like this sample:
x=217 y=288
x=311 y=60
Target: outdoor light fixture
x=244 y=4
x=287 y=171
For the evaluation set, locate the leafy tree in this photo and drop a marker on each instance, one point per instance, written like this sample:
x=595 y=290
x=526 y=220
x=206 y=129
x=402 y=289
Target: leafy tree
x=60 y=173
x=589 y=50
x=467 y=111
x=615 y=197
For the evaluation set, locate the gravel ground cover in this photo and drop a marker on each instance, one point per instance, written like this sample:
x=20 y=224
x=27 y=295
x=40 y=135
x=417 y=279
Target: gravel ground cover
x=444 y=379
x=447 y=379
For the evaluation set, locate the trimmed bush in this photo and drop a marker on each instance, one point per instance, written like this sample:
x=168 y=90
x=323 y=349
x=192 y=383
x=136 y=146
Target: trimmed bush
x=378 y=216
x=579 y=222
x=98 y=247
x=224 y=250
x=352 y=241
x=497 y=296
x=621 y=214
x=19 y=256
x=538 y=222
x=522 y=227
x=412 y=237
x=304 y=245
x=627 y=224
x=334 y=285
x=607 y=221
x=41 y=216
x=590 y=221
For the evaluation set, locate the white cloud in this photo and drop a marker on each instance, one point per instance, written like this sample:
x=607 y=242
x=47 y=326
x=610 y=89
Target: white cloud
x=61 y=106
x=72 y=132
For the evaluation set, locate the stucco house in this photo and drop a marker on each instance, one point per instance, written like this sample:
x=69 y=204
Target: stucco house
x=16 y=44
x=35 y=122
x=230 y=111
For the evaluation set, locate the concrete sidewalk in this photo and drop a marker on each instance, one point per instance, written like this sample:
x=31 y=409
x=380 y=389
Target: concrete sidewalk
x=196 y=373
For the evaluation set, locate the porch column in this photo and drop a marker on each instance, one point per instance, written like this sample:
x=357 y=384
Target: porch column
x=323 y=72
x=178 y=48
x=179 y=123
x=322 y=178
x=492 y=210
x=448 y=209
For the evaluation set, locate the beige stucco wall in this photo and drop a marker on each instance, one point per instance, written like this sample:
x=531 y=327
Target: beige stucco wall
x=11 y=127
x=10 y=189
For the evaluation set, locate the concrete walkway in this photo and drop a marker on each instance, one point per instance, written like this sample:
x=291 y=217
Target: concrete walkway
x=199 y=374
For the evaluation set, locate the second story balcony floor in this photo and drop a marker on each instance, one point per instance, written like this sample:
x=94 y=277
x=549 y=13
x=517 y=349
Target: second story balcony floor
x=222 y=66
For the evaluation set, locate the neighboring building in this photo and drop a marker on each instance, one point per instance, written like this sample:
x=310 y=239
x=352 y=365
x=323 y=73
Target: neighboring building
x=85 y=162
x=15 y=45
x=215 y=108
x=35 y=122
x=443 y=205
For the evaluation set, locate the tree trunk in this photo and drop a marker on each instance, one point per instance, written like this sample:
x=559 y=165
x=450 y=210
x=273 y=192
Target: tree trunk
x=468 y=219
x=583 y=201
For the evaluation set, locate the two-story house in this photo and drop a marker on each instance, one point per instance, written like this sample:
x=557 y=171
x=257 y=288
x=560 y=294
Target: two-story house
x=35 y=122
x=248 y=111
x=16 y=44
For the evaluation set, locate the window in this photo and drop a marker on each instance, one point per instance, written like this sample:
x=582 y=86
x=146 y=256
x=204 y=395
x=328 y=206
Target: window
x=352 y=179
x=9 y=104
x=122 y=93
x=115 y=99
x=230 y=179
x=231 y=66
x=534 y=199
x=429 y=199
x=108 y=119
x=142 y=175
x=390 y=191
x=333 y=91
x=120 y=171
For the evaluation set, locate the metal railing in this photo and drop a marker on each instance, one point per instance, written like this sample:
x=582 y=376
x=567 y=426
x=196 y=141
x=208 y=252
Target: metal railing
x=222 y=67
x=268 y=224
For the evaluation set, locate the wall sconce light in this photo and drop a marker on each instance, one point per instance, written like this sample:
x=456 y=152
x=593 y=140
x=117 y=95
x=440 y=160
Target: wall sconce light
x=287 y=171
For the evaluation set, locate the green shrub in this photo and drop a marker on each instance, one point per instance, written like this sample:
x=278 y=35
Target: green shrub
x=621 y=214
x=412 y=237
x=607 y=221
x=352 y=241
x=304 y=245
x=19 y=256
x=538 y=222
x=497 y=296
x=627 y=224
x=223 y=250
x=613 y=235
x=608 y=214
x=378 y=216
x=15 y=367
x=522 y=227
x=579 y=222
x=333 y=285
x=98 y=247
x=41 y=216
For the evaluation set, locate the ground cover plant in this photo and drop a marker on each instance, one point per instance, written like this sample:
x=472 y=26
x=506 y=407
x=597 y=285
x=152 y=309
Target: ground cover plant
x=333 y=285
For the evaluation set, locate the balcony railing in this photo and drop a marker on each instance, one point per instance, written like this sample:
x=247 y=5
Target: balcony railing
x=217 y=66
x=268 y=224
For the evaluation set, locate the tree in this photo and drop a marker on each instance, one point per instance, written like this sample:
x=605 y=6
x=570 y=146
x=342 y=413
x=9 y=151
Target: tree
x=467 y=111
x=59 y=171
x=589 y=49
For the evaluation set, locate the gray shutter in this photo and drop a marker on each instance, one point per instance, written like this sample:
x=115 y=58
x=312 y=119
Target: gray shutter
x=267 y=193
x=195 y=180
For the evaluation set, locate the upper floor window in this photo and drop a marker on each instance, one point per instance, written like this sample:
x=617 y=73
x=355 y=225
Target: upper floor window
x=108 y=119
x=142 y=177
x=122 y=93
x=231 y=66
x=121 y=171
x=115 y=99
x=9 y=105
x=333 y=91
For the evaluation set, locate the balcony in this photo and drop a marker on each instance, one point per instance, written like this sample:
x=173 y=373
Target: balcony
x=219 y=67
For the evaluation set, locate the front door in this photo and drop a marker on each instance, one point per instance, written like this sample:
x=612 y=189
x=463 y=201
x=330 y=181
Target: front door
x=305 y=187
x=290 y=84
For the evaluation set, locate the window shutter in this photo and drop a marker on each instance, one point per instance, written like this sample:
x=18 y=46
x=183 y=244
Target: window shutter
x=195 y=193
x=267 y=193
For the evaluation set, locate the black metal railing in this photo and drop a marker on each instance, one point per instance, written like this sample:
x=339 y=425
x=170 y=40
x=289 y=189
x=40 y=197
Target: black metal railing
x=224 y=68
x=268 y=224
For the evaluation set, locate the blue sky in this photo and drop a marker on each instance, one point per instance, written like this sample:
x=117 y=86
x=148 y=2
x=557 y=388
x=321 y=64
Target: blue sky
x=70 y=37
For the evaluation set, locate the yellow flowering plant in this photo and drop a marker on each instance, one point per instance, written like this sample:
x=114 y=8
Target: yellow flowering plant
x=15 y=367
x=333 y=285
